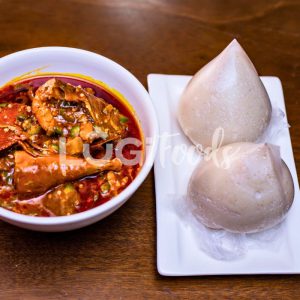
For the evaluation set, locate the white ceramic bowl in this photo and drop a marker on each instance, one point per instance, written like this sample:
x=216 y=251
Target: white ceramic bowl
x=70 y=60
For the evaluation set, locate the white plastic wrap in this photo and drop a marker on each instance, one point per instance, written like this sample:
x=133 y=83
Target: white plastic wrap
x=223 y=245
x=276 y=126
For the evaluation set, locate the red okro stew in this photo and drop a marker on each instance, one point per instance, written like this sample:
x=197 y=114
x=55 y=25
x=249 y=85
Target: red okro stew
x=41 y=115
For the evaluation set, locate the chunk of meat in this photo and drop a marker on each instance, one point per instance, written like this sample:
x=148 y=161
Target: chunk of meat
x=74 y=146
x=36 y=175
x=61 y=201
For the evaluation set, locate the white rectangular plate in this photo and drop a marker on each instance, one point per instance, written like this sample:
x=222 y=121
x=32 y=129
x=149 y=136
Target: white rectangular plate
x=177 y=252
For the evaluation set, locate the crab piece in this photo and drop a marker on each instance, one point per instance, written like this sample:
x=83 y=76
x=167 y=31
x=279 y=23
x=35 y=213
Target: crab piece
x=11 y=134
x=9 y=137
x=36 y=175
x=10 y=112
x=106 y=120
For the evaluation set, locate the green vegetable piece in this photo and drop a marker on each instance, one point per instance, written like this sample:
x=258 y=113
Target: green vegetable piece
x=69 y=187
x=3 y=104
x=34 y=129
x=123 y=119
x=61 y=111
x=55 y=147
x=75 y=131
x=21 y=118
x=105 y=187
x=58 y=131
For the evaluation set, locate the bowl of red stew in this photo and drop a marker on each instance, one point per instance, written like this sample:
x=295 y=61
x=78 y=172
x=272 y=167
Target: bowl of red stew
x=78 y=136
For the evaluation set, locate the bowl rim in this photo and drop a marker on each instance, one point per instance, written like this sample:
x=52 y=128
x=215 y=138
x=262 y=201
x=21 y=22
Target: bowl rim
x=114 y=203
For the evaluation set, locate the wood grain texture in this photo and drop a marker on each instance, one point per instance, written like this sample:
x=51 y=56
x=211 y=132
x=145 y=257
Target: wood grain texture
x=116 y=258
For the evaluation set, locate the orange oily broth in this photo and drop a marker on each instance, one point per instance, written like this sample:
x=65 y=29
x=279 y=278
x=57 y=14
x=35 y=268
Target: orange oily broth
x=90 y=189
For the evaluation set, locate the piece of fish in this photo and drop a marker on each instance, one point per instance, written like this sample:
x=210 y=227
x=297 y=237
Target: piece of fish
x=36 y=175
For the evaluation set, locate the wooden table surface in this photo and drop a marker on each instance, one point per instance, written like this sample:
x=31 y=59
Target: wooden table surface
x=116 y=258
